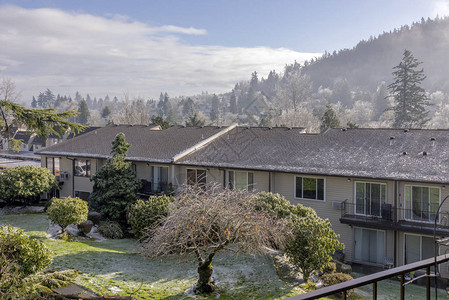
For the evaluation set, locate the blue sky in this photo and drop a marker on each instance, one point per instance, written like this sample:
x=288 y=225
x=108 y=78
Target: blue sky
x=183 y=47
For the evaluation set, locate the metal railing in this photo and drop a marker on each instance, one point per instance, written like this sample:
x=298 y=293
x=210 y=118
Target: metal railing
x=375 y=278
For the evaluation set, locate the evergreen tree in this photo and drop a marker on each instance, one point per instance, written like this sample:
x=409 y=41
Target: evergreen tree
x=195 y=121
x=214 y=111
x=89 y=101
x=254 y=83
x=105 y=112
x=115 y=184
x=34 y=103
x=78 y=97
x=158 y=120
x=329 y=119
x=188 y=108
x=49 y=98
x=410 y=98
x=233 y=103
x=83 y=110
x=41 y=100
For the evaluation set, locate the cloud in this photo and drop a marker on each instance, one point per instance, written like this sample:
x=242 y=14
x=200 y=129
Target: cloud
x=71 y=51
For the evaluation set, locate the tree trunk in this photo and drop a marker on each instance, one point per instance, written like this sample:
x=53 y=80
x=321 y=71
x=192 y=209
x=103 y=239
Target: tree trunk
x=204 y=285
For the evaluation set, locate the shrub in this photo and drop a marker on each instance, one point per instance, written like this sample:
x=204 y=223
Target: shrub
x=331 y=279
x=110 y=230
x=147 y=214
x=67 y=211
x=25 y=183
x=17 y=249
x=274 y=204
x=330 y=268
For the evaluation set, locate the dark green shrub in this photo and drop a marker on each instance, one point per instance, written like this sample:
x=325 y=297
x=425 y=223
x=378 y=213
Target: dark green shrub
x=331 y=279
x=274 y=204
x=25 y=183
x=330 y=268
x=110 y=230
x=67 y=211
x=146 y=214
x=17 y=249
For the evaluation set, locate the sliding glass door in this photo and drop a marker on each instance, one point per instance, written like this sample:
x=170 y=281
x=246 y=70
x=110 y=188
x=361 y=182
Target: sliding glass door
x=421 y=203
x=369 y=197
x=369 y=245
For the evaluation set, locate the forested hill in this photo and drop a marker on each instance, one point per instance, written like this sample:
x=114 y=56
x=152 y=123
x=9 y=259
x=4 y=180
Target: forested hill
x=371 y=62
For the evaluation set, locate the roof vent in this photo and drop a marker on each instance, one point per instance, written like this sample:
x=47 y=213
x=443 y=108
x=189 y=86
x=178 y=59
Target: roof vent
x=247 y=127
x=290 y=128
x=432 y=139
x=404 y=153
x=424 y=153
x=405 y=130
x=202 y=136
x=392 y=137
x=269 y=128
x=343 y=129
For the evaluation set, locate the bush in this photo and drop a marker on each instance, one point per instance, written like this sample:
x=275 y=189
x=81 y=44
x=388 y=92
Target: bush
x=274 y=204
x=110 y=230
x=67 y=211
x=331 y=279
x=25 y=183
x=330 y=268
x=16 y=248
x=147 y=214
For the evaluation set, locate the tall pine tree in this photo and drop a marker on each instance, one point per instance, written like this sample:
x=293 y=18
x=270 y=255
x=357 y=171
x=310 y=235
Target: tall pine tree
x=410 y=99
x=329 y=119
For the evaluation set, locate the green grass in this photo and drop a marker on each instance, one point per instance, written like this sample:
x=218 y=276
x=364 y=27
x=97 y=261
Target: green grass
x=114 y=265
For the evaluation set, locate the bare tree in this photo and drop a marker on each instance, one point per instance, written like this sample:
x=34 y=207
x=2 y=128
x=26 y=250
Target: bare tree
x=297 y=88
x=207 y=221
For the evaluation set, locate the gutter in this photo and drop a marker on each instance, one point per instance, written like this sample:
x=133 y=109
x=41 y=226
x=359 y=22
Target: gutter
x=202 y=143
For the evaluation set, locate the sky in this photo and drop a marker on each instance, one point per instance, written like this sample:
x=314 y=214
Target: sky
x=141 y=48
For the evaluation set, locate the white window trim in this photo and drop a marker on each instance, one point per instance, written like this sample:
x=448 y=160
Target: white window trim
x=420 y=245
x=314 y=177
x=385 y=245
x=370 y=182
x=247 y=178
x=405 y=201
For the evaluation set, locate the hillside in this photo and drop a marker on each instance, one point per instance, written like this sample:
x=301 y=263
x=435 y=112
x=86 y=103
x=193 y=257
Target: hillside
x=370 y=62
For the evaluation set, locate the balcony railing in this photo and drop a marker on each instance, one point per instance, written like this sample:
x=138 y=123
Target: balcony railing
x=386 y=216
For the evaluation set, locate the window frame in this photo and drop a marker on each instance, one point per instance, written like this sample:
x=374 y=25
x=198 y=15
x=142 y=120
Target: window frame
x=384 y=248
x=53 y=169
x=87 y=163
x=302 y=188
x=198 y=180
x=355 y=197
x=409 y=205
x=232 y=185
x=420 y=245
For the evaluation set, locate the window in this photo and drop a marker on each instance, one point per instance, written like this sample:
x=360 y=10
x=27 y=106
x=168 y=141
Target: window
x=369 y=197
x=241 y=180
x=418 y=248
x=82 y=195
x=369 y=245
x=196 y=177
x=159 y=179
x=52 y=163
x=421 y=203
x=309 y=188
x=82 y=167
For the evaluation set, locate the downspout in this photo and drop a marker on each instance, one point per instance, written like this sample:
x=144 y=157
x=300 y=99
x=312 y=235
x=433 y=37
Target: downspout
x=73 y=175
x=395 y=218
x=224 y=178
x=269 y=182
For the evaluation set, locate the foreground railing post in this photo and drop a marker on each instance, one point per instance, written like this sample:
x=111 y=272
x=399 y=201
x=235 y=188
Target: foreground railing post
x=375 y=290
x=428 y=283
x=402 y=287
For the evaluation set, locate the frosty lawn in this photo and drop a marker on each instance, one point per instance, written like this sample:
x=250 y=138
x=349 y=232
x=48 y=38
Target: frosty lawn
x=113 y=266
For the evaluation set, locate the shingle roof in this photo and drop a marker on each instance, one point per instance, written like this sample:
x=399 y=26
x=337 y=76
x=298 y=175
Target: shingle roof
x=368 y=153
x=147 y=144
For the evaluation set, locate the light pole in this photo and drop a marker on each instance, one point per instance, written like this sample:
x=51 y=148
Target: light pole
x=435 y=241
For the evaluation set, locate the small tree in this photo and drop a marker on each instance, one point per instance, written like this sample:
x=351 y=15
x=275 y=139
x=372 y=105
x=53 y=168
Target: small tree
x=195 y=121
x=207 y=222
x=23 y=183
x=410 y=98
x=67 y=211
x=115 y=184
x=329 y=119
x=158 y=120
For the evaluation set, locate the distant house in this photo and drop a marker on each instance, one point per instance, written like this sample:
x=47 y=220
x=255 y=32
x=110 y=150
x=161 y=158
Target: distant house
x=380 y=188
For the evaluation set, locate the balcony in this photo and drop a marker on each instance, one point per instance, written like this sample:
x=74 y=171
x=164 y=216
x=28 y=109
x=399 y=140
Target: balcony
x=387 y=217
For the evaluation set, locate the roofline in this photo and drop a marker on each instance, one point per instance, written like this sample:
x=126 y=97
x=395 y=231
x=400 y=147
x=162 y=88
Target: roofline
x=202 y=143
x=229 y=166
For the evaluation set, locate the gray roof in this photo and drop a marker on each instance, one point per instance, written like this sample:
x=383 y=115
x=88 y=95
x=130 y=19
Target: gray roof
x=147 y=143
x=367 y=153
